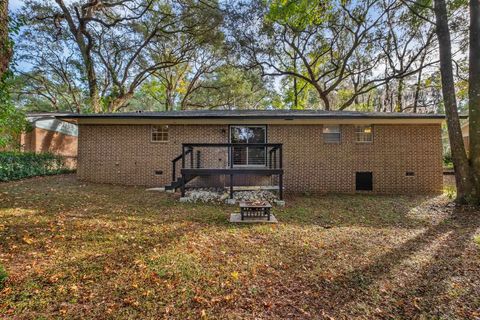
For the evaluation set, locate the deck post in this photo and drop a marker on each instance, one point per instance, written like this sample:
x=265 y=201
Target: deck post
x=174 y=174
x=280 y=160
x=280 y=186
x=270 y=159
x=183 y=157
x=183 y=185
x=231 y=186
x=191 y=158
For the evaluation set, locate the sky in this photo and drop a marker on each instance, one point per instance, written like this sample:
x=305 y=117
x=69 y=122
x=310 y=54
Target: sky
x=15 y=4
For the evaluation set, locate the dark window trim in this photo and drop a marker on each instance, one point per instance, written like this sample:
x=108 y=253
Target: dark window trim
x=247 y=125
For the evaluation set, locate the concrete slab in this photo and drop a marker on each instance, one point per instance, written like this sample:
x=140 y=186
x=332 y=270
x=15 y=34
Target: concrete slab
x=237 y=218
x=230 y=201
x=160 y=189
x=279 y=203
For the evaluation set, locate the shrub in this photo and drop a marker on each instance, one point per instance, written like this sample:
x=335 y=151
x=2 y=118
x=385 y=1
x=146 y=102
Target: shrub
x=447 y=161
x=16 y=165
x=3 y=276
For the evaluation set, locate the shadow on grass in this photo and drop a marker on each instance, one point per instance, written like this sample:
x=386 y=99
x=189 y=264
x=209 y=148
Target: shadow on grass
x=356 y=210
x=427 y=286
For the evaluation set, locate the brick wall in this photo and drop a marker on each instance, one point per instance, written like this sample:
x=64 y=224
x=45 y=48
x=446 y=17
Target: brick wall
x=124 y=154
x=40 y=140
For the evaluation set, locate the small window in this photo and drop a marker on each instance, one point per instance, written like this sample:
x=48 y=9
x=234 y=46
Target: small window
x=331 y=134
x=364 y=134
x=160 y=133
x=364 y=181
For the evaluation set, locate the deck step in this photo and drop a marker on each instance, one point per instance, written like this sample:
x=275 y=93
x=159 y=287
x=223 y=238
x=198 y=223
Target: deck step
x=178 y=183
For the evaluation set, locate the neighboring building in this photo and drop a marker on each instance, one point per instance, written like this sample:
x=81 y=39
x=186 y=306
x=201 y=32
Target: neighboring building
x=303 y=151
x=466 y=136
x=49 y=134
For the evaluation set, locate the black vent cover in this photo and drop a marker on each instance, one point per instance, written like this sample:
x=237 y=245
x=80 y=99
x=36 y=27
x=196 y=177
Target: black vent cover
x=364 y=181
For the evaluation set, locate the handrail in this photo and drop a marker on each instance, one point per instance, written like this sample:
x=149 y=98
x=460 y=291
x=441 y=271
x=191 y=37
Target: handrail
x=174 y=163
x=180 y=156
x=278 y=145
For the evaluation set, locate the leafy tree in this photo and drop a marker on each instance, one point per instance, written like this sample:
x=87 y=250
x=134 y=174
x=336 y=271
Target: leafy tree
x=113 y=46
x=12 y=120
x=5 y=43
x=334 y=46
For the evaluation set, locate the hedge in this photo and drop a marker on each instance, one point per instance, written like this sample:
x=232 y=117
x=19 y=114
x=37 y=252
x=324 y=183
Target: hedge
x=16 y=165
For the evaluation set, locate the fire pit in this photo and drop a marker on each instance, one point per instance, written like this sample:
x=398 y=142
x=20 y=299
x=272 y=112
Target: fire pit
x=255 y=210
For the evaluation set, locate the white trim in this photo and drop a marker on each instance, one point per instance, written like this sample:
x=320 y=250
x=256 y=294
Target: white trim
x=159 y=141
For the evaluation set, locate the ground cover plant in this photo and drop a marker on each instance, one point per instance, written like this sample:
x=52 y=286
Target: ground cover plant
x=75 y=250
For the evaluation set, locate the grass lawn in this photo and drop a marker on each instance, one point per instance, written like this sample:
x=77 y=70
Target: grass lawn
x=75 y=250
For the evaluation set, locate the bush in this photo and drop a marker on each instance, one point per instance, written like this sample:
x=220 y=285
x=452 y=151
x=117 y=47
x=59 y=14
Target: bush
x=16 y=165
x=447 y=161
x=3 y=276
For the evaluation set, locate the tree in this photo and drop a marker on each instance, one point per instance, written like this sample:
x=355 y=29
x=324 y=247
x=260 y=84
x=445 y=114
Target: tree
x=118 y=45
x=462 y=170
x=334 y=46
x=12 y=121
x=55 y=79
x=474 y=95
x=5 y=44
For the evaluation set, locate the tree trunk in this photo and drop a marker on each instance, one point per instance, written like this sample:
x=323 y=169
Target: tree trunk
x=5 y=45
x=459 y=156
x=93 y=91
x=474 y=95
x=419 y=82
x=85 y=47
x=120 y=102
x=399 y=107
x=295 y=93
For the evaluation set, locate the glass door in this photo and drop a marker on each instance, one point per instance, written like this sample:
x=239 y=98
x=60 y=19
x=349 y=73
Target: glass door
x=248 y=156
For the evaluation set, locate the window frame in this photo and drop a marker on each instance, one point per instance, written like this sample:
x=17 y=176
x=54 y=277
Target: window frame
x=265 y=130
x=358 y=133
x=332 y=133
x=162 y=132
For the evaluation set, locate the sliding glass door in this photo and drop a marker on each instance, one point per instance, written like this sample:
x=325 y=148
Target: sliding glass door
x=248 y=156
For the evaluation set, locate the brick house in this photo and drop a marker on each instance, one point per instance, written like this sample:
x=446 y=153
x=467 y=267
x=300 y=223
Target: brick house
x=297 y=151
x=49 y=134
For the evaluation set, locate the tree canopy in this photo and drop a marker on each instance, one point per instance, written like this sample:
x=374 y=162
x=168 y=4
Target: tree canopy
x=107 y=56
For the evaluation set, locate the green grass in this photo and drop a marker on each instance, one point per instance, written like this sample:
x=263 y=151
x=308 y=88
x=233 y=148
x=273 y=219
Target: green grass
x=3 y=276
x=77 y=250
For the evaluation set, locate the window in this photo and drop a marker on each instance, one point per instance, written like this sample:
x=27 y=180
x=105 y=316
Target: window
x=160 y=133
x=331 y=134
x=248 y=156
x=364 y=134
x=364 y=181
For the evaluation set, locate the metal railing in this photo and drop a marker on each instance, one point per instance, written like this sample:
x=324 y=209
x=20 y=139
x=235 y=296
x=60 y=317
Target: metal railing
x=238 y=155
